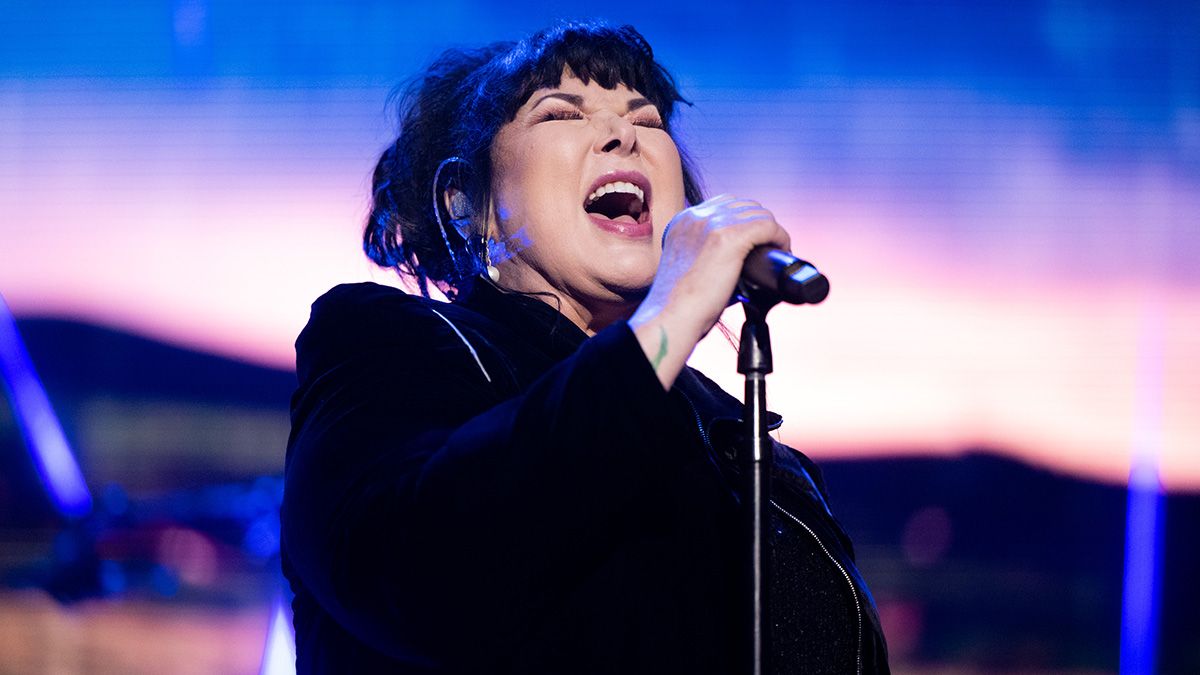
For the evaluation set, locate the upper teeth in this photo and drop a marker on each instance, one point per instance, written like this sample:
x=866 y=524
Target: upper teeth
x=616 y=186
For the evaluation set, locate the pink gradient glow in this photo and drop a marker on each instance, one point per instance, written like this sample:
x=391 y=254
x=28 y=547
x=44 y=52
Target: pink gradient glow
x=1006 y=316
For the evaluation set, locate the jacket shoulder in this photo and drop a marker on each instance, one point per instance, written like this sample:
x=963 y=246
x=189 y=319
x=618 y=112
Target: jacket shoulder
x=364 y=301
x=357 y=319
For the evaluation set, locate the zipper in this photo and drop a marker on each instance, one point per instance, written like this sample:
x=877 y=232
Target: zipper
x=858 y=614
x=845 y=575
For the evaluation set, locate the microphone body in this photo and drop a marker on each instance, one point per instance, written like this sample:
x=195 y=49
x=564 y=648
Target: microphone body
x=779 y=275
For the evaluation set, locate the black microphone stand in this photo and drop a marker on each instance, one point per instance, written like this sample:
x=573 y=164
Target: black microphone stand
x=766 y=280
x=755 y=461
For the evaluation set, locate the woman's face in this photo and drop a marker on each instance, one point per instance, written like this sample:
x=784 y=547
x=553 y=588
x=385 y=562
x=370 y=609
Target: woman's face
x=584 y=181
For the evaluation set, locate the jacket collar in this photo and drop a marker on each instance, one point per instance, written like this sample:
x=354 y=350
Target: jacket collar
x=536 y=321
x=528 y=316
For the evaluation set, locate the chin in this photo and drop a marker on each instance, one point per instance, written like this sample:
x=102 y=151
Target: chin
x=631 y=272
x=624 y=289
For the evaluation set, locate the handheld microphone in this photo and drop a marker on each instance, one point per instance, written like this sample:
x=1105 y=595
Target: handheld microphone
x=778 y=274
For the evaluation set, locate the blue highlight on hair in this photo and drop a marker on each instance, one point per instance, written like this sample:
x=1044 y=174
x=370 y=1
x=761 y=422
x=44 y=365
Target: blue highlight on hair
x=39 y=425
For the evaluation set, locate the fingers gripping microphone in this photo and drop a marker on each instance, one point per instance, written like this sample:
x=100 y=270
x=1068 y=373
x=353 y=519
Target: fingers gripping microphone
x=778 y=274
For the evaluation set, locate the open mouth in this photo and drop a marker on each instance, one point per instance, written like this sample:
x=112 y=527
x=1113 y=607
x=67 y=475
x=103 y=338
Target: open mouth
x=620 y=197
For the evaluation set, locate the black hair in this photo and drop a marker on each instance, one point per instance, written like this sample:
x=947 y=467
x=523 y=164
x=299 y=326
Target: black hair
x=456 y=108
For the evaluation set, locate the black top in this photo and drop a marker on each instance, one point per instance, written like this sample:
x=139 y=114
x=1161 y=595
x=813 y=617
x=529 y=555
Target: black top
x=480 y=487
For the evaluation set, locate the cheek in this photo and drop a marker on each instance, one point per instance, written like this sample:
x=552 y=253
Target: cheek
x=539 y=173
x=669 y=199
x=512 y=181
x=534 y=190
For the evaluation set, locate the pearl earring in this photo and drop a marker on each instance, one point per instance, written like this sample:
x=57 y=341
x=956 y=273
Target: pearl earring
x=492 y=271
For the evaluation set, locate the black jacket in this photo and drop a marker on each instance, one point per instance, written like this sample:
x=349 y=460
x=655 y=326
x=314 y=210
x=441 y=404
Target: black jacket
x=479 y=487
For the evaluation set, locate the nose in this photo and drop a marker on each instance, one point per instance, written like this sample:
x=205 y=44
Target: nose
x=618 y=135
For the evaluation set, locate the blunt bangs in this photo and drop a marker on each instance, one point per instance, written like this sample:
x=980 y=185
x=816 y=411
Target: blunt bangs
x=610 y=56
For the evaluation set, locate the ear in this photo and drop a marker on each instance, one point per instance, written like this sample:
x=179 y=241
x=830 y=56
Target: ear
x=457 y=204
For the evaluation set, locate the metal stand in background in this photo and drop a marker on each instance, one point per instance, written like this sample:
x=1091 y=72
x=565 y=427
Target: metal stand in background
x=755 y=460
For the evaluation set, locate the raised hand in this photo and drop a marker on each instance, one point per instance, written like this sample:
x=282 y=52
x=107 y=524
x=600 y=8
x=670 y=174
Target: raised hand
x=703 y=250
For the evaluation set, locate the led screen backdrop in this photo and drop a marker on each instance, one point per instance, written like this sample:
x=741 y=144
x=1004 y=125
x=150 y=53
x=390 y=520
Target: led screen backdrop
x=1004 y=195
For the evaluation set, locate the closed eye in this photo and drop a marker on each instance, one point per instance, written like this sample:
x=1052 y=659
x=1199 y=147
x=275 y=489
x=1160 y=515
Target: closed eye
x=651 y=121
x=554 y=114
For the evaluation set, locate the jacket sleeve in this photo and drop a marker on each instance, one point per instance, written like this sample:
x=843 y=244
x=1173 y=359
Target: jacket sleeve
x=419 y=506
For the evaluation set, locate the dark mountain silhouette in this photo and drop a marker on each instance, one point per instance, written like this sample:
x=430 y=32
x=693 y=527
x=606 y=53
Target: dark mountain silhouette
x=74 y=359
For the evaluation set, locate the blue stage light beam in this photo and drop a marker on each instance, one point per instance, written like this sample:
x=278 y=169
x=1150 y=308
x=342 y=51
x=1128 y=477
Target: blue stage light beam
x=1143 y=544
x=39 y=425
x=1143 y=528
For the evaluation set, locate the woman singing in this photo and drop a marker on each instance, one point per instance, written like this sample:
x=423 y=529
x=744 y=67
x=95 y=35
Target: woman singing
x=528 y=478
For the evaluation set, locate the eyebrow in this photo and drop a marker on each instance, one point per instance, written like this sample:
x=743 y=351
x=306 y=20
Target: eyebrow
x=577 y=101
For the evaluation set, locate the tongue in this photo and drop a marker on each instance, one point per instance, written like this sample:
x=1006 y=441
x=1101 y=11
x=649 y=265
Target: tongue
x=623 y=218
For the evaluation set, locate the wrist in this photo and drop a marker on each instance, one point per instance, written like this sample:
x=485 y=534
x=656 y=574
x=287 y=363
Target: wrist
x=666 y=341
